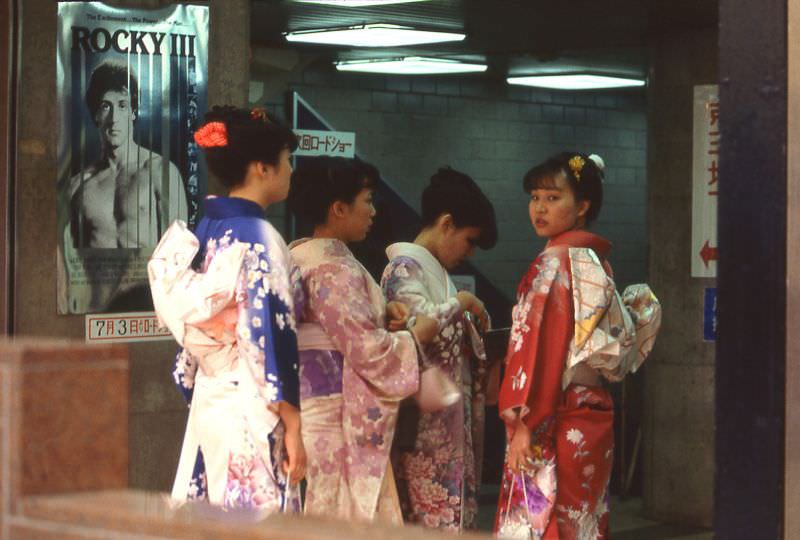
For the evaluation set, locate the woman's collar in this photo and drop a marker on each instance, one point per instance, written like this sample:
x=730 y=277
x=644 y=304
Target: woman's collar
x=582 y=238
x=424 y=257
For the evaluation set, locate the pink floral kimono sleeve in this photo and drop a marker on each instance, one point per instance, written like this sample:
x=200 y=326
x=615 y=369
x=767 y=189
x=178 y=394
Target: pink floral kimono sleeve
x=350 y=308
x=403 y=280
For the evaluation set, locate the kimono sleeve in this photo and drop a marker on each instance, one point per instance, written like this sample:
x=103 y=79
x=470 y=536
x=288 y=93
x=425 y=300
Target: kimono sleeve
x=539 y=343
x=403 y=281
x=266 y=329
x=339 y=296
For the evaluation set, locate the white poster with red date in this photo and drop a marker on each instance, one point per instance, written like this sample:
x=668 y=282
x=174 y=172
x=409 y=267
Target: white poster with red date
x=124 y=328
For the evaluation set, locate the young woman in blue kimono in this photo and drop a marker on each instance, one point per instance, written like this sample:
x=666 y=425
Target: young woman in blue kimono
x=226 y=294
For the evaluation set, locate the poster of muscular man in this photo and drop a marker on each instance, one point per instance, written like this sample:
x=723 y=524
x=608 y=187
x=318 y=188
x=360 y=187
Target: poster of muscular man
x=132 y=87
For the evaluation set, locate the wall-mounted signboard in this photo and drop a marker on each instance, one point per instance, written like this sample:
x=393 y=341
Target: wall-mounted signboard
x=325 y=143
x=705 y=180
x=124 y=328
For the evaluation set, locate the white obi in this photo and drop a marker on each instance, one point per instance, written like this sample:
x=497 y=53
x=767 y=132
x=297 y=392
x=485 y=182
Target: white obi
x=613 y=334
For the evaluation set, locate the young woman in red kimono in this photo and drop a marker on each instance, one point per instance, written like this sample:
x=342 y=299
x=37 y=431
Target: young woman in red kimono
x=571 y=329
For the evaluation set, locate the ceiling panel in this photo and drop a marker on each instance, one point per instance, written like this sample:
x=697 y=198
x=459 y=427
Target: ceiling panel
x=512 y=35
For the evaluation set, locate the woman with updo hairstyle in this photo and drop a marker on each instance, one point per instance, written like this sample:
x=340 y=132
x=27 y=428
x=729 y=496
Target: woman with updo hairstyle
x=227 y=295
x=456 y=218
x=571 y=334
x=358 y=354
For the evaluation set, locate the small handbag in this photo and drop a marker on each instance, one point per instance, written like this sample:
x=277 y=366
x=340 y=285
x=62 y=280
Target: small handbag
x=436 y=390
x=504 y=517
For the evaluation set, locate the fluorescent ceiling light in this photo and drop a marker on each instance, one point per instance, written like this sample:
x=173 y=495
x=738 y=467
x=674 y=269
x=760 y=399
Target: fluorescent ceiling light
x=576 y=81
x=411 y=65
x=357 y=3
x=373 y=35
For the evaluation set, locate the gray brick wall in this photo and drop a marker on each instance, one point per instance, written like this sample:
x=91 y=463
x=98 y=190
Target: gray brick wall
x=410 y=126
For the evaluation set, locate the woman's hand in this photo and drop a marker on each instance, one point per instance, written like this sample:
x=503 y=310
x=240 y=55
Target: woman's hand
x=294 y=465
x=425 y=329
x=470 y=302
x=397 y=314
x=519 y=449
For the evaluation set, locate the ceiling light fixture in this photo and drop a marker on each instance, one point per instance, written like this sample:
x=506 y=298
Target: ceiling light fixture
x=411 y=65
x=576 y=81
x=357 y=3
x=373 y=35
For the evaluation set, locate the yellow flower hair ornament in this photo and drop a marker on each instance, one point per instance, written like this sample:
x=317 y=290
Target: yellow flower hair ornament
x=576 y=164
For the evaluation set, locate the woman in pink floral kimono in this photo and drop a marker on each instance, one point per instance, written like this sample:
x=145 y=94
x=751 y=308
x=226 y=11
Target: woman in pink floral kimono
x=226 y=294
x=437 y=454
x=353 y=371
x=571 y=331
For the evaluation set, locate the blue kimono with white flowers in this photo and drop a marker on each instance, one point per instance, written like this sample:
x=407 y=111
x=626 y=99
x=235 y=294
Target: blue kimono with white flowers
x=235 y=367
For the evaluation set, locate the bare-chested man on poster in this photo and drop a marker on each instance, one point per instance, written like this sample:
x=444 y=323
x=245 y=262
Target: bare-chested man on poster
x=130 y=194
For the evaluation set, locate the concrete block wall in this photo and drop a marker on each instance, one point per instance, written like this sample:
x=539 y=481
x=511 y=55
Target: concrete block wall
x=410 y=126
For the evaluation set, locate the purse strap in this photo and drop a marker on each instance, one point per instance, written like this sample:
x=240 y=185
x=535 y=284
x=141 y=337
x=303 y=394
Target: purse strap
x=525 y=496
x=287 y=492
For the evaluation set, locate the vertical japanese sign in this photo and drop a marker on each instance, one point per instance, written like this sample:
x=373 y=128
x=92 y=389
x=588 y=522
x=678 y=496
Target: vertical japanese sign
x=705 y=180
x=132 y=87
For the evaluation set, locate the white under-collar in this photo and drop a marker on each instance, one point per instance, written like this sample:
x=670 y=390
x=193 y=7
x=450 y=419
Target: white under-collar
x=435 y=273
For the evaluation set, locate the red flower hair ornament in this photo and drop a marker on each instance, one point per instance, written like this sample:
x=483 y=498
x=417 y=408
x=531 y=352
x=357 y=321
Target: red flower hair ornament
x=212 y=135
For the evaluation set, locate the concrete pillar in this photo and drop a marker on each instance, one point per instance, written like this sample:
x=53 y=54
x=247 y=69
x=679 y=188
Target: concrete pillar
x=754 y=277
x=229 y=60
x=679 y=377
x=157 y=413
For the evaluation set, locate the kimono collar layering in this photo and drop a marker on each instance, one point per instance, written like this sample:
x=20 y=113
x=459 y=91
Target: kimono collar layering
x=232 y=207
x=582 y=239
x=307 y=251
x=577 y=239
x=438 y=277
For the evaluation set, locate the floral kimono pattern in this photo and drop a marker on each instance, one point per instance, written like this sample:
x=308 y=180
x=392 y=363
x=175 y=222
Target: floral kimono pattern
x=353 y=374
x=435 y=453
x=568 y=313
x=238 y=358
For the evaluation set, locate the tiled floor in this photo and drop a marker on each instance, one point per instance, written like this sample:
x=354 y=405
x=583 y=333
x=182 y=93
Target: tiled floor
x=626 y=520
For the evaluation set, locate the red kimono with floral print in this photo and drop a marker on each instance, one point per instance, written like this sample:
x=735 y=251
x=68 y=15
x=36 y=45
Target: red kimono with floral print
x=562 y=493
